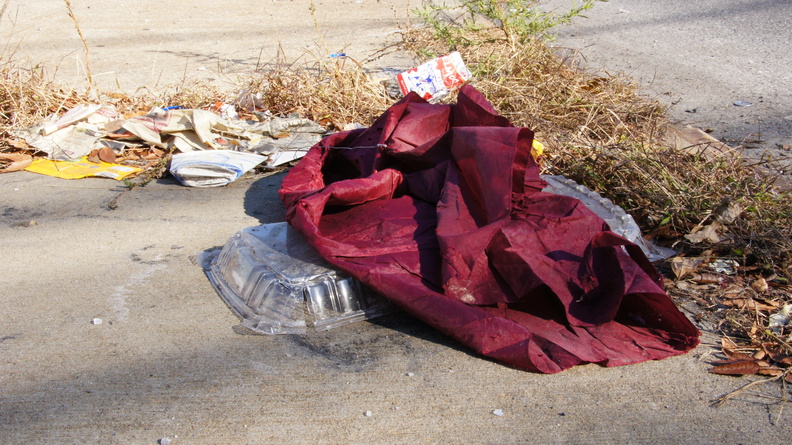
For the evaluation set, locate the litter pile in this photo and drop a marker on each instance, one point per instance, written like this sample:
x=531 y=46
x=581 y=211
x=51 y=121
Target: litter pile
x=92 y=140
x=440 y=209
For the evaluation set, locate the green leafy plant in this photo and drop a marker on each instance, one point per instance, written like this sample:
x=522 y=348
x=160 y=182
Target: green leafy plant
x=518 y=20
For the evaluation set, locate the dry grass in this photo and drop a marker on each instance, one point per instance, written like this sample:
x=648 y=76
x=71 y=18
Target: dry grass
x=27 y=97
x=332 y=92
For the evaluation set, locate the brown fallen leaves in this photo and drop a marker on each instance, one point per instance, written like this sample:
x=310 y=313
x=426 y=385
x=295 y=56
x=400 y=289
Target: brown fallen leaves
x=750 y=307
x=13 y=162
x=755 y=359
x=766 y=359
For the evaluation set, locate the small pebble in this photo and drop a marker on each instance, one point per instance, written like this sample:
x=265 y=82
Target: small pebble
x=743 y=103
x=164 y=441
x=96 y=321
x=498 y=412
x=410 y=374
x=369 y=413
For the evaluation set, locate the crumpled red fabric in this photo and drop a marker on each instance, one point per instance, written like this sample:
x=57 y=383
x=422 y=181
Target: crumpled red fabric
x=440 y=209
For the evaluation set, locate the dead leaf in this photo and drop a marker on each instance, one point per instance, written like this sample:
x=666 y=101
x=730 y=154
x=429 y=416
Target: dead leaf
x=734 y=290
x=16 y=162
x=93 y=156
x=706 y=278
x=20 y=144
x=682 y=266
x=759 y=285
x=776 y=354
x=107 y=154
x=709 y=233
x=771 y=371
x=727 y=212
x=749 y=304
x=738 y=356
x=738 y=368
x=775 y=304
x=727 y=343
x=788 y=377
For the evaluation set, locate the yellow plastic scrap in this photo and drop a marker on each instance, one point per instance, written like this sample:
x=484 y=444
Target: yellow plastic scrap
x=537 y=149
x=82 y=168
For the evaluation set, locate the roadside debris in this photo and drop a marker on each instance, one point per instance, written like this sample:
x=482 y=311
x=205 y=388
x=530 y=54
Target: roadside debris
x=93 y=134
x=436 y=78
x=618 y=220
x=781 y=319
x=764 y=359
x=265 y=273
x=212 y=168
x=277 y=284
x=14 y=162
x=532 y=279
x=81 y=168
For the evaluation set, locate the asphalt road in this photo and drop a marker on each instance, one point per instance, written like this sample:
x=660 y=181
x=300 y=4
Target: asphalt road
x=700 y=58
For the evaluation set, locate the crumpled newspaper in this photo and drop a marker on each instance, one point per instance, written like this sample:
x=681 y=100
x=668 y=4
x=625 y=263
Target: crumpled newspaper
x=71 y=136
x=212 y=168
x=88 y=127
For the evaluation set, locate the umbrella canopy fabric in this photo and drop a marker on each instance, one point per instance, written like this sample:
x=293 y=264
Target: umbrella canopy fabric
x=440 y=209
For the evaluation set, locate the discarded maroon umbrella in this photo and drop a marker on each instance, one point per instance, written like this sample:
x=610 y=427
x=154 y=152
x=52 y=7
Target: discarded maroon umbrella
x=440 y=209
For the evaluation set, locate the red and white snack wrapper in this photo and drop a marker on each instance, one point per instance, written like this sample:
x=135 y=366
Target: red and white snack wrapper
x=435 y=78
